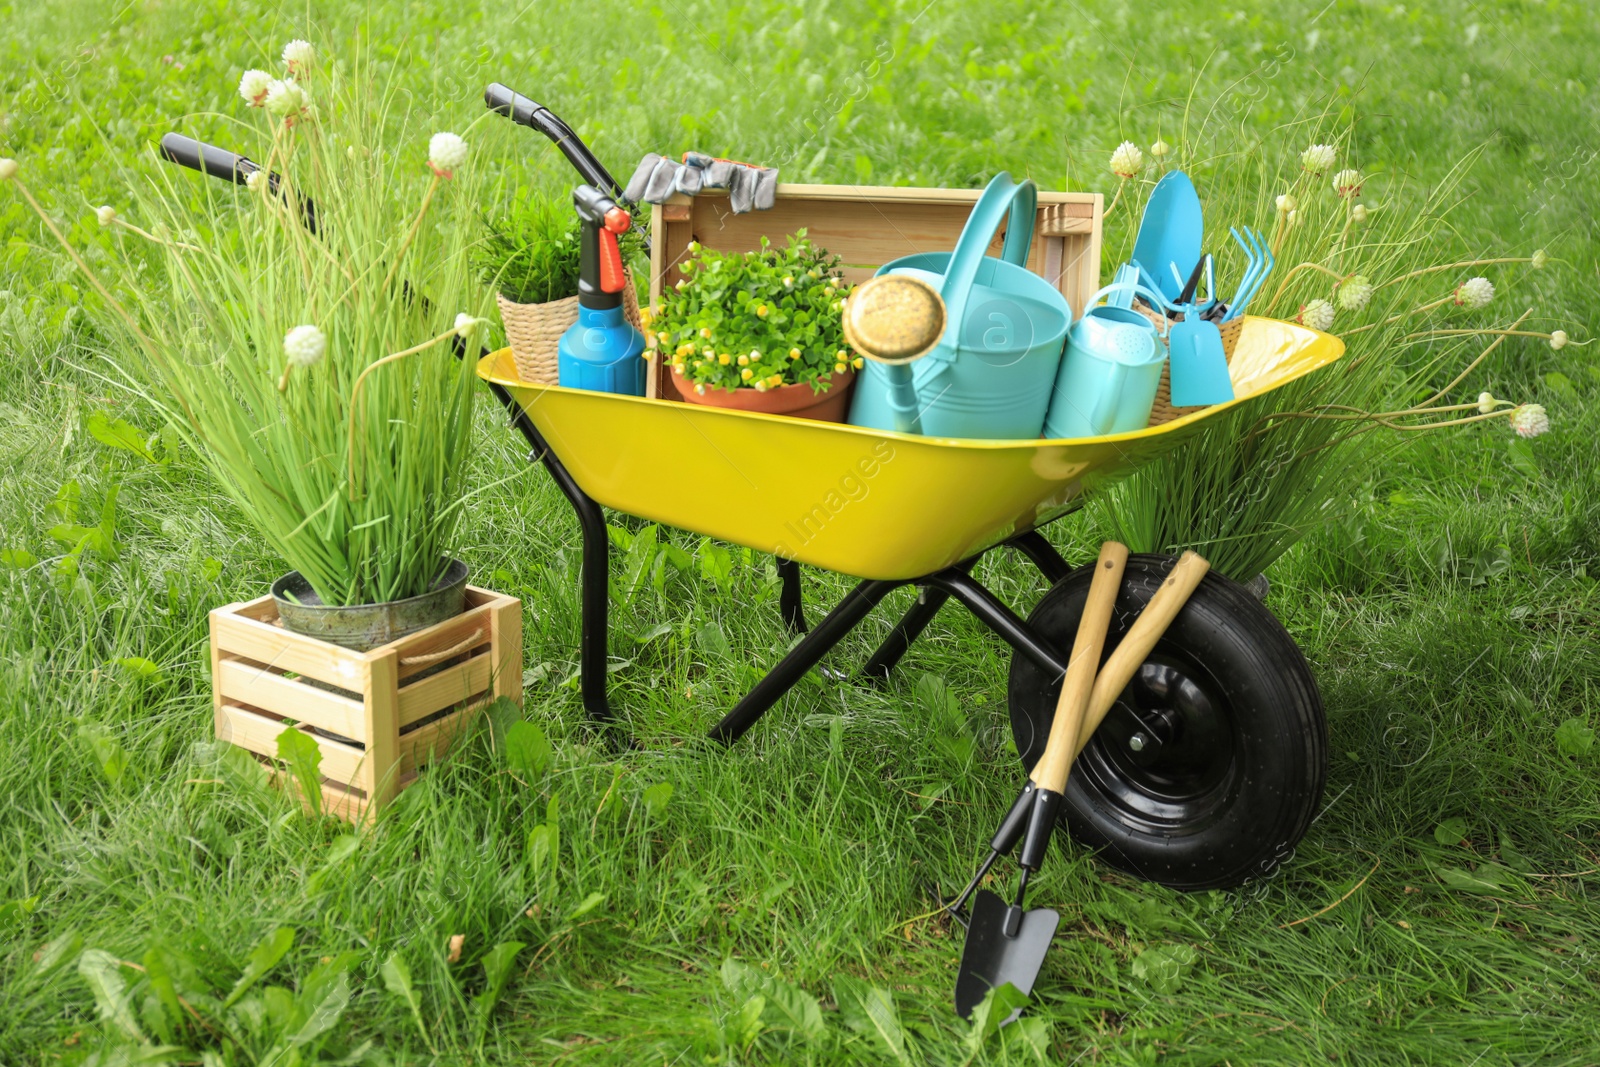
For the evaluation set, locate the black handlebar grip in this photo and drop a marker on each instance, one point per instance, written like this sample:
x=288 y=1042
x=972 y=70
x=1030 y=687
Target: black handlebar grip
x=209 y=159
x=519 y=109
x=513 y=105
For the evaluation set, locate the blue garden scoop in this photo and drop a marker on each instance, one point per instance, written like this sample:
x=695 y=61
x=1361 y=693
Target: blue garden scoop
x=1170 y=234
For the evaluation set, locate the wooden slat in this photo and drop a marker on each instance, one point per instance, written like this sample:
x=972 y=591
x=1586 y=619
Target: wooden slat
x=431 y=742
x=276 y=647
x=902 y=194
x=381 y=777
x=262 y=609
x=461 y=681
x=337 y=800
x=249 y=683
x=259 y=733
x=507 y=648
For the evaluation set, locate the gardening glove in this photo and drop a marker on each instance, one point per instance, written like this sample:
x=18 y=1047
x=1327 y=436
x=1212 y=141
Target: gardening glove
x=641 y=177
x=657 y=178
x=661 y=182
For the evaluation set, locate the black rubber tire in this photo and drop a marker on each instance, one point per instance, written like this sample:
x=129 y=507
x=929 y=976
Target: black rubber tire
x=1236 y=769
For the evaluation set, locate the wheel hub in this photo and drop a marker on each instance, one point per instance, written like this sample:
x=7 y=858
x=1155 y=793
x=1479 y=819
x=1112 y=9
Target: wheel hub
x=1166 y=753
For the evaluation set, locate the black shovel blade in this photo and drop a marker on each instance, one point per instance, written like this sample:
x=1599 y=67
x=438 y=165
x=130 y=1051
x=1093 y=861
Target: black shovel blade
x=991 y=957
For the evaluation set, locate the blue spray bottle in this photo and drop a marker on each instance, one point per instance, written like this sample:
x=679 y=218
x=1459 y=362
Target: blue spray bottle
x=602 y=350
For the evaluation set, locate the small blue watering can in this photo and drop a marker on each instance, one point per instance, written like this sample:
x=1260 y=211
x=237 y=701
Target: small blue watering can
x=1112 y=367
x=990 y=374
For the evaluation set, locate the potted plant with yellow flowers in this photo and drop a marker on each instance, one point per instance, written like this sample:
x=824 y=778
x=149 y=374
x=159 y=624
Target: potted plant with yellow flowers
x=759 y=331
x=315 y=373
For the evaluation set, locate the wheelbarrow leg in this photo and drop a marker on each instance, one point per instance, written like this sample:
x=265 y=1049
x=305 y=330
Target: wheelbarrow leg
x=999 y=618
x=1044 y=555
x=856 y=605
x=596 y=577
x=794 y=615
x=907 y=630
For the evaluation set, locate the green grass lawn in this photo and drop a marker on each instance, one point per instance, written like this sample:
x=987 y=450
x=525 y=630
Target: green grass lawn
x=1441 y=910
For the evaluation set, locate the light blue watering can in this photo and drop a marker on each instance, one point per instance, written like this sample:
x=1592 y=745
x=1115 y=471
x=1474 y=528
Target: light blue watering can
x=990 y=374
x=1112 y=367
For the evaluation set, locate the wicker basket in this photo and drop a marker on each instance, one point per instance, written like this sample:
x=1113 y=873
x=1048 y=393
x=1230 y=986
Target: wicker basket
x=534 y=331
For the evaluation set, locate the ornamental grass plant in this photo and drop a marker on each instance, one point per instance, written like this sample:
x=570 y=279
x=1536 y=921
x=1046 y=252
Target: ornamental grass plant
x=1357 y=255
x=301 y=332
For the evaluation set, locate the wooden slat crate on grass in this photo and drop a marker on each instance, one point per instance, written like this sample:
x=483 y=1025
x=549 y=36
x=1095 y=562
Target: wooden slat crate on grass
x=397 y=707
x=867 y=226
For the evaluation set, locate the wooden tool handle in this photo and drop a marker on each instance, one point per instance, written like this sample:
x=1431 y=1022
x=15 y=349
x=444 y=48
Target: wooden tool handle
x=1141 y=639
x=1051 y=771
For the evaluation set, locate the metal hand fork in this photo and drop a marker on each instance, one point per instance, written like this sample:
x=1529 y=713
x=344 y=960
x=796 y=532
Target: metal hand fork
x=1258 y=264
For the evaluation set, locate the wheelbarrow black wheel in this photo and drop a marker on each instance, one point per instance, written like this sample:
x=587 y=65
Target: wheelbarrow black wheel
x=1209 y=769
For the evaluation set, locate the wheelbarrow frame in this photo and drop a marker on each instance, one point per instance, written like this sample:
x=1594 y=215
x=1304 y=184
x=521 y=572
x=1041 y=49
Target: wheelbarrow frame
x=866 y=226
x=954 y=581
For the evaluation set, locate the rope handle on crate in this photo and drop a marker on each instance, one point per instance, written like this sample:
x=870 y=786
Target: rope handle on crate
x=435 y=657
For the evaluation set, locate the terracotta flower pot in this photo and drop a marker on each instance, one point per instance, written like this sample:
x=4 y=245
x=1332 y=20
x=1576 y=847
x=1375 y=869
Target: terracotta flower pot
x=796 y=401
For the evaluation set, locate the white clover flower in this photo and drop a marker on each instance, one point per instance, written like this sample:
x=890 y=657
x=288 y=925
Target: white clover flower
x=106 y=214
x=1127 y=160
x=284 y=98
x=253 y=87
x=298 y=56
x=1317 y=158
x=1287 y=203
x=1539 y=259
x=1558 y=339
x=8 y=169
x=1354 y=293
x=1347 y=183
x=1161 y=149
x=1292 y=218
x=255 y=180
x=1317 y=315
x=305 y=345
x=466 y=325
x=446 y=152
x=1474 y=293
x=1358 y=214
x=1530 y=420
x=1486 y=403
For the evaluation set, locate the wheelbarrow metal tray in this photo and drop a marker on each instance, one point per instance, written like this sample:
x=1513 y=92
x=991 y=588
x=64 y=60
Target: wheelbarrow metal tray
x=868 y=503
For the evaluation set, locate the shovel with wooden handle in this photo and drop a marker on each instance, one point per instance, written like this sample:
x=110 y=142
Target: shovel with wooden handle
x=1006 y=943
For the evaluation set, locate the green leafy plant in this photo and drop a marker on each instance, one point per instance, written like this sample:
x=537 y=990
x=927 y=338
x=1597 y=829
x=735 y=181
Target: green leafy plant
x=756 y=320
x=168 y=1006
x=311 y=370
x=531 y=254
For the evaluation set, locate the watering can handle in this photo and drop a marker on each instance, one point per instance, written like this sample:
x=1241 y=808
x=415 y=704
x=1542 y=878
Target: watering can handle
x=1017 y=202
x=1153 y=298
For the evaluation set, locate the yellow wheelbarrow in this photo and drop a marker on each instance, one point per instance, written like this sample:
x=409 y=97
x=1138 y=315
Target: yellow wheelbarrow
x=1208 y=770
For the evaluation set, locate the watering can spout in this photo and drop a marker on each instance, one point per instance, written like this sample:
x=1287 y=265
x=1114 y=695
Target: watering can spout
x=896 y=319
